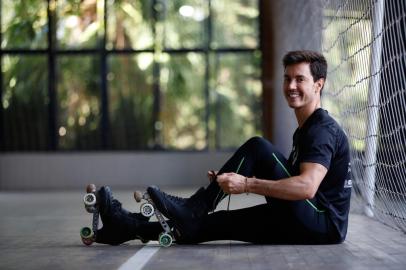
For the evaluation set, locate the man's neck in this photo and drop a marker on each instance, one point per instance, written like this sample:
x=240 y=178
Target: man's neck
x=302 y=114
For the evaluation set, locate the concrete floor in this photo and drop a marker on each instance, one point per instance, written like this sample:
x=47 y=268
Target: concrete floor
x=41 y=231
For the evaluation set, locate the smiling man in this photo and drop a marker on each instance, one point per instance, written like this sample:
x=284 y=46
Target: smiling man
x=308 y=194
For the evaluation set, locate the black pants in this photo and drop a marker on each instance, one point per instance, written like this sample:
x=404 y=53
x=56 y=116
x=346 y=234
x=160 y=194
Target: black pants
x=277 y=221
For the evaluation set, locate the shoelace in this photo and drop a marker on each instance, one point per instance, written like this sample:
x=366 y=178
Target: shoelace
x=116 y=204
x=221 y=195
x=175 y=198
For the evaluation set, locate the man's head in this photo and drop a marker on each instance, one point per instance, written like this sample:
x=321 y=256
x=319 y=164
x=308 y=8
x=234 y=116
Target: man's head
x=317 y=63
x=304 y=77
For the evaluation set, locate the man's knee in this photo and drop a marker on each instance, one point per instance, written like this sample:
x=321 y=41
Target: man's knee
x=258 y=142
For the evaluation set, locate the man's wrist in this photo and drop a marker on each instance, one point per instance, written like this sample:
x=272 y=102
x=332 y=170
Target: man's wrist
x=246 y=186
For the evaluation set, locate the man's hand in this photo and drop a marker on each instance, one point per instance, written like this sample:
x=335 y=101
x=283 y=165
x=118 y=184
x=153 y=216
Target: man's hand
x=231 y=183
x=211 y=175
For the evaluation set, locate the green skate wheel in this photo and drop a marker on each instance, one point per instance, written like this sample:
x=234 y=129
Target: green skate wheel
x=86 y=232
x=147 y=210
x=87 y=236
x=165 y=239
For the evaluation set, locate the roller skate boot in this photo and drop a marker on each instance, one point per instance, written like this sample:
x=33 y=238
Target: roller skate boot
x=184 y=213
x=119 y=225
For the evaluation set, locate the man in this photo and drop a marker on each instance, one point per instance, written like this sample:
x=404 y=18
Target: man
x=308 y=195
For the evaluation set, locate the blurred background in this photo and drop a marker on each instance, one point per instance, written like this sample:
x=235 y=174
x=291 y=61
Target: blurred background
x=131 y=93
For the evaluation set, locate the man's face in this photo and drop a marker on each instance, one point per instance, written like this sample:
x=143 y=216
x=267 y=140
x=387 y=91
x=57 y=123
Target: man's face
x=299 y=88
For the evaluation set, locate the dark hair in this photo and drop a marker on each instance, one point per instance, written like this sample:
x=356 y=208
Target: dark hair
x=318 y=64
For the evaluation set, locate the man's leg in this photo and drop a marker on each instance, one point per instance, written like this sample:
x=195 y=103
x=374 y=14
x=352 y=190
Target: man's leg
x=284 y=223
x=257 y=157
x=281 y=222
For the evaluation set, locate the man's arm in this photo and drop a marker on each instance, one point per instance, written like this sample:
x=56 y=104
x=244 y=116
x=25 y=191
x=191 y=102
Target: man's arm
x=303 y=186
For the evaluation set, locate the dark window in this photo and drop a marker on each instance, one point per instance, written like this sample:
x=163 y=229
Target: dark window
x=129 y=75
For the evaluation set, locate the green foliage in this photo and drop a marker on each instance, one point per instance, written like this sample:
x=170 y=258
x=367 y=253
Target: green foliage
x=188 y=104
x=79 y=108
x=236 y=97
x=130 y=101
x=25 y=103
x=235 y=23
x=79 y=24
x=183 y=101
x=130 y=24
x=345 y=81
x=24 y=24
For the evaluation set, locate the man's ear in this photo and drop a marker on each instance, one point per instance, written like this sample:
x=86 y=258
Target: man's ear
x=320 y=84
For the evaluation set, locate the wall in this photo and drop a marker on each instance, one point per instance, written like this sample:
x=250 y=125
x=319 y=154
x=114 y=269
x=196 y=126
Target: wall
x=296 y=25
x=75 y=170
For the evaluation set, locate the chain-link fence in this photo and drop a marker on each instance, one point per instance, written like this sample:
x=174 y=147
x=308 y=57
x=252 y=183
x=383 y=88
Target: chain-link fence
x=364 y=43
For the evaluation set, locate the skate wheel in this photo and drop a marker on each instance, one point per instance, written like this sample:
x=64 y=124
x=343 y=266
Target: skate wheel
x=87 y=241
x=147 y=209
x=137 y=196
x=144 y=241
x=165 y=239
x=87 y=236
x=91 y=188
x=89 y=199
x=86 y=232
x=91 y=209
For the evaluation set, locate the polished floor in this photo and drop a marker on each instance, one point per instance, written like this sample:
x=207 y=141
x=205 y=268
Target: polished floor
x=40 y=230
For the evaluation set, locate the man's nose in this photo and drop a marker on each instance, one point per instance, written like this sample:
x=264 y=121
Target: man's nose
x=292 y=84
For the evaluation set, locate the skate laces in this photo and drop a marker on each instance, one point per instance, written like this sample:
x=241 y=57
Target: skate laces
x=115 y=205
x=221 y=194
x=173 y=198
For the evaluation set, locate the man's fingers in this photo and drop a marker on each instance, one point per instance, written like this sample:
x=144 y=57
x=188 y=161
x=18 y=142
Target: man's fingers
x=211 y=175
x=222 y=177
x=226 y=174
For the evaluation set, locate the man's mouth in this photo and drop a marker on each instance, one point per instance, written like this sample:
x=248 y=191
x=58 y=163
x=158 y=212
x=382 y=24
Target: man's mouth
x=293 y=94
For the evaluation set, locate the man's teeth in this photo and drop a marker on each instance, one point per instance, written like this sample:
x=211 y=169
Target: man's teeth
x=293 y=95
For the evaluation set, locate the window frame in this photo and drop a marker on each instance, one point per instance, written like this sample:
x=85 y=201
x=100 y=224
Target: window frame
x=52 y=52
